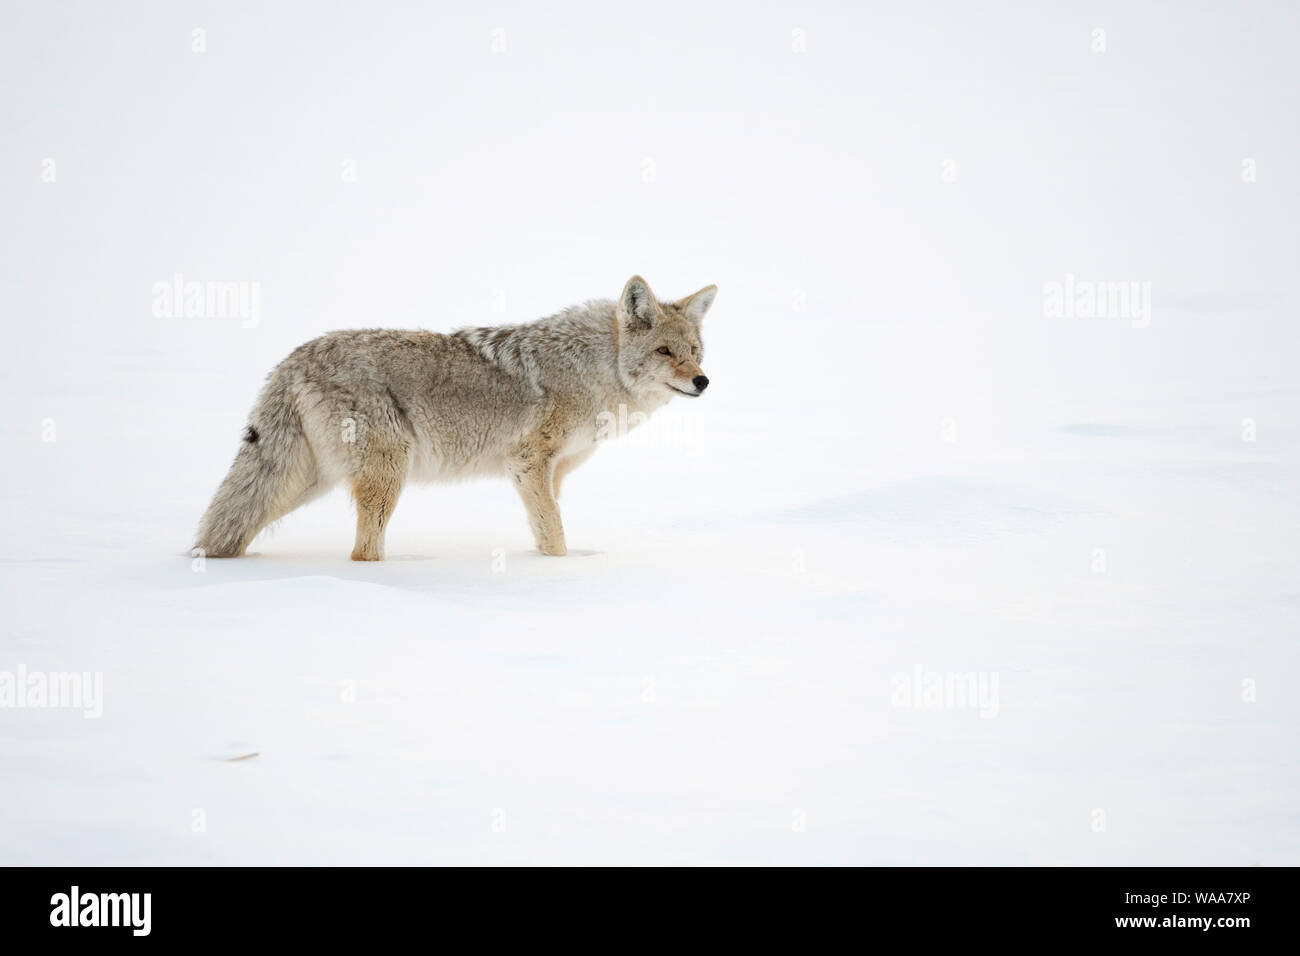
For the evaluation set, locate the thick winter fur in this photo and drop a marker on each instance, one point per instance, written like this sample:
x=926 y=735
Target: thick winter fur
x=377 y=408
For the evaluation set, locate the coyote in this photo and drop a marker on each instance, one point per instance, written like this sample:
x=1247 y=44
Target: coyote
x=375 y=407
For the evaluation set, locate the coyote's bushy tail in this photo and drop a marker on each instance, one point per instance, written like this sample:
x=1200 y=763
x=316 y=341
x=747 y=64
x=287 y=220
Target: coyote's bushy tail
x=271 y=472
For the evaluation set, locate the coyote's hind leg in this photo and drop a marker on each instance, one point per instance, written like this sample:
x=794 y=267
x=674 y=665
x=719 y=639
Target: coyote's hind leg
x=375 y=488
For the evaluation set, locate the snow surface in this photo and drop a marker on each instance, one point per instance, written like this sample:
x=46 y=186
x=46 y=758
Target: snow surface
x=901 y=463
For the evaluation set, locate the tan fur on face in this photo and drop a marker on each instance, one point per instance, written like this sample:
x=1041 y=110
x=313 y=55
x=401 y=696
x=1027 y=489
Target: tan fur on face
x=672 y=328
x=685 y=346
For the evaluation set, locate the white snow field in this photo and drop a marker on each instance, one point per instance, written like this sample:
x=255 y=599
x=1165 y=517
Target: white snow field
x=911 y=478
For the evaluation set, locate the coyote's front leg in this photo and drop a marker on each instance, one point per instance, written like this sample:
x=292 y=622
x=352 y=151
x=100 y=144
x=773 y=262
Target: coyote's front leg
x=533 y=468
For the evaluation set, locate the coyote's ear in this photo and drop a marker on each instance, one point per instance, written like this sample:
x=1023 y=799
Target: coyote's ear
x=637 y=304
x=694 y=306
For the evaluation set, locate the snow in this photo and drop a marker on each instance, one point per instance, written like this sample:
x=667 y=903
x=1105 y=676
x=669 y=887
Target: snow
x=901 y=466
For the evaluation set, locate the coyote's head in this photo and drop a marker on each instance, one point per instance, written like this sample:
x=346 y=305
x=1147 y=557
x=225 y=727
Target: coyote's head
x=659 y=343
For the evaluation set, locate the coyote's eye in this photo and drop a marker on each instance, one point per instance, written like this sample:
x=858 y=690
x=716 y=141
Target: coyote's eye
x=664 y=350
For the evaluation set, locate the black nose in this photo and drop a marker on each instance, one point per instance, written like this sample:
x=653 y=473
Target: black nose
x=701 y=382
